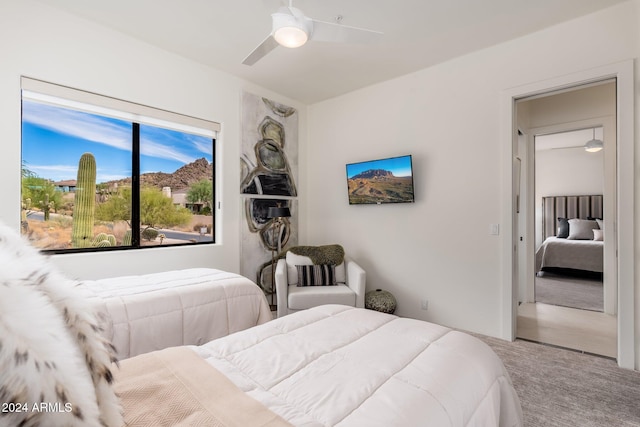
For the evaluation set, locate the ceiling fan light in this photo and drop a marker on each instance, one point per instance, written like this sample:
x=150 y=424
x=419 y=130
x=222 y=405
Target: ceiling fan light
x=291 y=36
x=290 y=30
x=593 y=146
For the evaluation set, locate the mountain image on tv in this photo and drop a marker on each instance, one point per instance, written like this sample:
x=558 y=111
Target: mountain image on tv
x=381 y=183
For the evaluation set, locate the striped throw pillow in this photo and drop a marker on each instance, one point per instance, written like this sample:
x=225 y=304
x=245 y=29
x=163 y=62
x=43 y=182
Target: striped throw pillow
x=317 y=275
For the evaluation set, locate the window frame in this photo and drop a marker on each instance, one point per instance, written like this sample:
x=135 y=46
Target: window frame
x=137 y=114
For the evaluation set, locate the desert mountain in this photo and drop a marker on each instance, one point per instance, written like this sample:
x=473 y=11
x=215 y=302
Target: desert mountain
x=373 y=173
x=380 y=186
x=180 y=179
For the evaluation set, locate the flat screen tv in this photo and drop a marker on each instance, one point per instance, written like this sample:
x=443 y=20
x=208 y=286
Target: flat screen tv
x=380 y=181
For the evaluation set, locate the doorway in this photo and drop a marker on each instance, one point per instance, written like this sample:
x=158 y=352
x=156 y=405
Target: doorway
x=569 y=183
x=563 y=280
x=623 y=224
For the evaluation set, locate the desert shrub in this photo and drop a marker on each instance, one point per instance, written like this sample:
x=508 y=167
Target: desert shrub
x=149 y=234
x=197 y=227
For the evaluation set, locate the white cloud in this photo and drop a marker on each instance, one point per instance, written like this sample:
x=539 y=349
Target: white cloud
x=100 y=177
x=55 y=172
x=203 y=145
x=153 y=149
x=97 y=129
x=78 y=124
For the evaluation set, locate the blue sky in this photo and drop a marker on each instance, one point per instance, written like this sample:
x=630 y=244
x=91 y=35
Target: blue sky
x=399 y=166
x=54 y=138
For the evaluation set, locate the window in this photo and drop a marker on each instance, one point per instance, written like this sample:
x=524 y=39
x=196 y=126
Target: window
x=100 y=173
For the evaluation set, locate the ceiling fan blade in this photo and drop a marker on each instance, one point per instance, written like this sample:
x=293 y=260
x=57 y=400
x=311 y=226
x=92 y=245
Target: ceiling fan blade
x=330 y=32
x=265 y=47
x=295 y=12
x=565 y=148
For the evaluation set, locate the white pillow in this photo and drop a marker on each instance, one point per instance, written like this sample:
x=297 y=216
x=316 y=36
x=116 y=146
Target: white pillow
x=292 y=272
x=580 y=229
x=598 y=235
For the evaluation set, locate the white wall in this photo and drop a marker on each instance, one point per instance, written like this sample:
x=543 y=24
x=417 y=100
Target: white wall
x=448 y=118
x=570 y=171
x=44 y=43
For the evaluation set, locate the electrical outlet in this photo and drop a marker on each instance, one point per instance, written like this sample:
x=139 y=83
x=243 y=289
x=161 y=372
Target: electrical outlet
x=424 y=304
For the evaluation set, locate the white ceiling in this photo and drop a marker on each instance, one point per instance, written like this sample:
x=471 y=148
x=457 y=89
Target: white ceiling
x=417 y=34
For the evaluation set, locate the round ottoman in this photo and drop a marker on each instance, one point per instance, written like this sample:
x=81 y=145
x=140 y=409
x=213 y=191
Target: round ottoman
x=380 y=300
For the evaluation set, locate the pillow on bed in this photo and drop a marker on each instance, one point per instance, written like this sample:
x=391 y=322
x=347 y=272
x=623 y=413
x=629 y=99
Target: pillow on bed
x=600 y=224
x=563 y=228
x=598 y=235
x=317 y=275
x=581 y=229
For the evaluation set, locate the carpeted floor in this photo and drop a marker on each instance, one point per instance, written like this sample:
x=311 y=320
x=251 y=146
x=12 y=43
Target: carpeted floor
x=563 y=388
x=569 y=291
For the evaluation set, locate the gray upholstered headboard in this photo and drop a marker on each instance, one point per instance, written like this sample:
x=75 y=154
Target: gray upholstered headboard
x=555 y=207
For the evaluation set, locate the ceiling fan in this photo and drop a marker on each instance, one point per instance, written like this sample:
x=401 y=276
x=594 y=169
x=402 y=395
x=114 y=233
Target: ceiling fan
x=291 y=28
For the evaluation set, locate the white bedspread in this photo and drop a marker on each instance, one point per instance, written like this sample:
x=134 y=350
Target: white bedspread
x=343 y=366
x=181 y=307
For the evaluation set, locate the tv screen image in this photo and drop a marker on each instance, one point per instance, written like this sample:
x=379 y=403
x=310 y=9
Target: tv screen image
x=380 y=181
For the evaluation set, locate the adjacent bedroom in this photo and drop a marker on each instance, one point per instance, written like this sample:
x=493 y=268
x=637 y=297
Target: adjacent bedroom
x=569 y=296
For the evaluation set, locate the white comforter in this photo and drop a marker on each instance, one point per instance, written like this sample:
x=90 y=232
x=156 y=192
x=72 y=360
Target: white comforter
x=342 y=366
x=181 y=307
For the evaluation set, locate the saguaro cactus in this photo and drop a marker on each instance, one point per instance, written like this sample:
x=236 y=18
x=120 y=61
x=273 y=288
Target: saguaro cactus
x=127 y=238
x=26 y=205
x=46 y=206
x=85 y=202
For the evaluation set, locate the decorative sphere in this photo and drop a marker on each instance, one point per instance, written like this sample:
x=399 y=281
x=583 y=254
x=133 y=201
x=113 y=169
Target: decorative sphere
x=380 y=300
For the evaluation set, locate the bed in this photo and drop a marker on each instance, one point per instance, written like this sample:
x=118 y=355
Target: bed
x=150 y=312
x=330 y=365
x=570 y=242
x=327 y=366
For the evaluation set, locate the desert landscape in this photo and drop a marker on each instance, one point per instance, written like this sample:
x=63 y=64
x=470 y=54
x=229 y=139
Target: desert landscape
x=380 y=186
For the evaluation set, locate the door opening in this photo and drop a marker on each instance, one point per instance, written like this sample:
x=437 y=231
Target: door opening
x=623 y=189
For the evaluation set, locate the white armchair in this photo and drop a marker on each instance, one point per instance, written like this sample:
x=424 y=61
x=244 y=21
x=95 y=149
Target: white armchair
x=290 y=297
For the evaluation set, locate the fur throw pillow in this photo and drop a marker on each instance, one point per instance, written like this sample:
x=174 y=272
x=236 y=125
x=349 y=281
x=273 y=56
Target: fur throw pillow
x=54 y=362
x=327 y=254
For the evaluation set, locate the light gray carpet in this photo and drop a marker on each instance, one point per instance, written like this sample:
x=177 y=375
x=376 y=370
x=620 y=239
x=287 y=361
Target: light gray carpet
x=568 y=291
x=563 y=388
